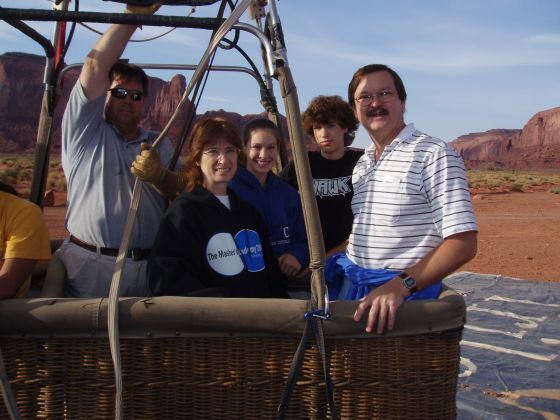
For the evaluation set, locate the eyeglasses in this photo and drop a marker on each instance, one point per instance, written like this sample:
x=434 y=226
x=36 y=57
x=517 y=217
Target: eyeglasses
x=121 y=93
x=384 y=96
x=215 y=153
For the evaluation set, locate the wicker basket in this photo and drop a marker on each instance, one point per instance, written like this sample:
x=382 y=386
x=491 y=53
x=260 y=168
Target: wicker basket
x=204 y=358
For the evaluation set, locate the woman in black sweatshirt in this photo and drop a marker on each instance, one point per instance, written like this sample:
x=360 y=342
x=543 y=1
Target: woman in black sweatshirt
x=210 y=243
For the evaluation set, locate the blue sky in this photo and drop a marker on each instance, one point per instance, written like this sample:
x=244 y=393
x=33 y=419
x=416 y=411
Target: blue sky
x=468 y=66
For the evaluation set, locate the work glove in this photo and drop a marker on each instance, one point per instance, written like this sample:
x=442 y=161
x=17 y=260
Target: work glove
x=142 y=10
x=147 y=166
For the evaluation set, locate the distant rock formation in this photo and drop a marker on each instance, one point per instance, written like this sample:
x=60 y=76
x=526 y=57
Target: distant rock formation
x=485 y=147
x=20 y=100
x=537 y=146
x=21 y=92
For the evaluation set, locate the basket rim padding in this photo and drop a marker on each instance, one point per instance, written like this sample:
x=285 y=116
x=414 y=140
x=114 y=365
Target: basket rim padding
x=169 y=316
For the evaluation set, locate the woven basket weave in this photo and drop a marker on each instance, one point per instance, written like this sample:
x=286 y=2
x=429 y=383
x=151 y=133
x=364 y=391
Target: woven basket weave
x=58 y=360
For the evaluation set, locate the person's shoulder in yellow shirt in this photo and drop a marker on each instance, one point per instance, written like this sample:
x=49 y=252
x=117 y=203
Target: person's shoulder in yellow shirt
x=24 y=240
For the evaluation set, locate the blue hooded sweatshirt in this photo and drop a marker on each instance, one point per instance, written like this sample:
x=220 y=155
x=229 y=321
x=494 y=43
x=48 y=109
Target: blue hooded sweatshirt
x=280 y=205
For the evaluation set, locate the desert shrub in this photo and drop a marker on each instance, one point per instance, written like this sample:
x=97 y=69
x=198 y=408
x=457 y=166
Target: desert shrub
x=9 y=175
x=507 y=179
x=9 y=162
x=516 y=187
x=25 y=175
x=56 y=181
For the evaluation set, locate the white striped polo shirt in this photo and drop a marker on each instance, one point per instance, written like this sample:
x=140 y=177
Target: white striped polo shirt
x=405 y=204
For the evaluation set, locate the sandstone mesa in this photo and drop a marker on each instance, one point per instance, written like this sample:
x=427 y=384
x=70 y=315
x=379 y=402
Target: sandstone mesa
x=536 y=146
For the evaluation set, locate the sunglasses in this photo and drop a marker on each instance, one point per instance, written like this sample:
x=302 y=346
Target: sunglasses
x=121 y=93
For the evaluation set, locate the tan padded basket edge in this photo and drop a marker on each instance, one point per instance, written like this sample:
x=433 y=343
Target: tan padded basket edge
x=227 y=358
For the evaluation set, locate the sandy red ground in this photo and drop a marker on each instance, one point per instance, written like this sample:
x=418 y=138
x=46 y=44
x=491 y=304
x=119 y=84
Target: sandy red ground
x=519 y=234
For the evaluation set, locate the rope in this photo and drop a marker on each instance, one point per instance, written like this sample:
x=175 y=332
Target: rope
x=196 y=97
x=319 y=296
x=136 y=193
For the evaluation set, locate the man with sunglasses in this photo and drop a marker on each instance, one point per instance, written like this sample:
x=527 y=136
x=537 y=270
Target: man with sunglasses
x=100 y=140
x=413 y=217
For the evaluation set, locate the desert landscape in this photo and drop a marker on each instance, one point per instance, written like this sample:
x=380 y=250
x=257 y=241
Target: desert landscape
x=514 y=174
x=518 y=213
x=519 y=232
x=519 y=235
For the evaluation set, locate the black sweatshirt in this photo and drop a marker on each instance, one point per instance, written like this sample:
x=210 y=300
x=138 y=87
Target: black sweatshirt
x=203 y=246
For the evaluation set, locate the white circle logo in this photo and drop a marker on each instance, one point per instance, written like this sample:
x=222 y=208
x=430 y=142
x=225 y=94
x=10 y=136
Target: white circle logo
x=223 y=256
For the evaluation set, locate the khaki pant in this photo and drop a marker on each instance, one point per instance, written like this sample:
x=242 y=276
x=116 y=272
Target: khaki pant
x=89 y=274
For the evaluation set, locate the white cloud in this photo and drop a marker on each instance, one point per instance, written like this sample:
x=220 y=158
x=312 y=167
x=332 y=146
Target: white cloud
x=436 y=55
x=181 y=37
x=545 y=39
x=216 y=99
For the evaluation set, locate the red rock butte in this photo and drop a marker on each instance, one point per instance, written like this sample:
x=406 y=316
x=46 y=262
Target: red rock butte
x=21 y=90
x=536 y=146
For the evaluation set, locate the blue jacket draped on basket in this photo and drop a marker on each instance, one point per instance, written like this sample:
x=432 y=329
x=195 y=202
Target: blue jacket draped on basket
x=348 y=281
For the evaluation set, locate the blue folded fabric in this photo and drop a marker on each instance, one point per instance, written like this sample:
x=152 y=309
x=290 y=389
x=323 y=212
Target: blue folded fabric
x=348 y=281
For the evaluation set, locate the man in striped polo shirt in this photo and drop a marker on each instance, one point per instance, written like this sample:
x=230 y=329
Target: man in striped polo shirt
x=413 y=216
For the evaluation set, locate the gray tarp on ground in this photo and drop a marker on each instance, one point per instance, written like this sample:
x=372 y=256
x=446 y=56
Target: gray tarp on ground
x=510 y=362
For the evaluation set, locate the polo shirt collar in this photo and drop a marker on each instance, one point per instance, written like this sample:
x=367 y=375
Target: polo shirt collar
x=144 y=136
x=405 y=133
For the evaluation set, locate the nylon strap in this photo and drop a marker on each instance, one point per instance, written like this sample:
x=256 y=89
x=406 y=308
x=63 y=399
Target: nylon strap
x=294 y=371
x=320 y=338
x=315 y=325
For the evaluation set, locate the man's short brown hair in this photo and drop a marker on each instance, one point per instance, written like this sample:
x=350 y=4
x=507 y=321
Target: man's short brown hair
x=122 y=69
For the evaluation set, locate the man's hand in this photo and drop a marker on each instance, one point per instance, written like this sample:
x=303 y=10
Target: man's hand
x=147 y=166
x=305 y=272
x=289 y=264
x=382 y=303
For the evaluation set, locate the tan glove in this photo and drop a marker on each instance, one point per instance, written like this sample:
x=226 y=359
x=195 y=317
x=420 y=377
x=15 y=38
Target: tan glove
x=147 y=166
x=142 y=10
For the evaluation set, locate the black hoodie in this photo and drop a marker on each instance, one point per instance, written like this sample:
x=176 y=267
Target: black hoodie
x=204 y=248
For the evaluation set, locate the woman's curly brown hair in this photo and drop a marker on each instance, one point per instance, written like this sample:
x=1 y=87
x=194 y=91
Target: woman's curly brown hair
x=326 y=110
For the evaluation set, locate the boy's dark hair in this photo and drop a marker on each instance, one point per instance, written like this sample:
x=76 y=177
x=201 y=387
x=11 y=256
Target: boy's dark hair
x=129 y=72
x=326 y=110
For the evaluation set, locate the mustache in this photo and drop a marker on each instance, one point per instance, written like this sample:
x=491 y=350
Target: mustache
x=376 y=111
